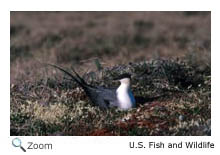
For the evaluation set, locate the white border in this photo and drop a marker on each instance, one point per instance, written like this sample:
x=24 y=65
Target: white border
x=106 y=145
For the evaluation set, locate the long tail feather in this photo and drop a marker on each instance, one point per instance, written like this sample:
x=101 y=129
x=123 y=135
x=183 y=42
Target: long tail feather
x=77 y=75
x=78 y=79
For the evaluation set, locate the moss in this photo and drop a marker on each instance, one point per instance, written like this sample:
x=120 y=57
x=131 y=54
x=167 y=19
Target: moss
x=166 y=88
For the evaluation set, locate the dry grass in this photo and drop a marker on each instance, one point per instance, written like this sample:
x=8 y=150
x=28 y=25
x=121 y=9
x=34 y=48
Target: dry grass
x=167 y=104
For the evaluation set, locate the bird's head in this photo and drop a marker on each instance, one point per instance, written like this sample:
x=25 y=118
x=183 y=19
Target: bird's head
x=124 y=79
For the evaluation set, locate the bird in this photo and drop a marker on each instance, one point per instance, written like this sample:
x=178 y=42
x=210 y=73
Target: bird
x=121 y=97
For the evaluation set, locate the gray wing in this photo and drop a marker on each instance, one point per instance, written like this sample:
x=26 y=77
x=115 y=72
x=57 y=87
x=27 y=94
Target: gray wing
x=110 y=96
x=103 y=97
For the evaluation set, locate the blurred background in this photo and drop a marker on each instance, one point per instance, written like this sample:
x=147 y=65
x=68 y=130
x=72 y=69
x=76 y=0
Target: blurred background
x=112 y=38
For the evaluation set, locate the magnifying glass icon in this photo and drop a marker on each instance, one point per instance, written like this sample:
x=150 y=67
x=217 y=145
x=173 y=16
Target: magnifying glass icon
x=16 y=142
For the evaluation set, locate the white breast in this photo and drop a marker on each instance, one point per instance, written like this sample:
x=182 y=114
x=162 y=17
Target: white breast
x=125 y=97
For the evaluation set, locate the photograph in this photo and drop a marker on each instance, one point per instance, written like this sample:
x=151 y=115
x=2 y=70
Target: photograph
x=110 y=73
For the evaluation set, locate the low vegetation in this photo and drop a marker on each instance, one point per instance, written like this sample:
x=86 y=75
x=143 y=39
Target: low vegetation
x=173 y=99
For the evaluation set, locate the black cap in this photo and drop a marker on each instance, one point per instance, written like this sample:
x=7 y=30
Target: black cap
x=122 y=76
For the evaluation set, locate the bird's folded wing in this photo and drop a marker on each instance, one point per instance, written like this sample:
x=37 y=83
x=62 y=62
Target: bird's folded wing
x=108 y=93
